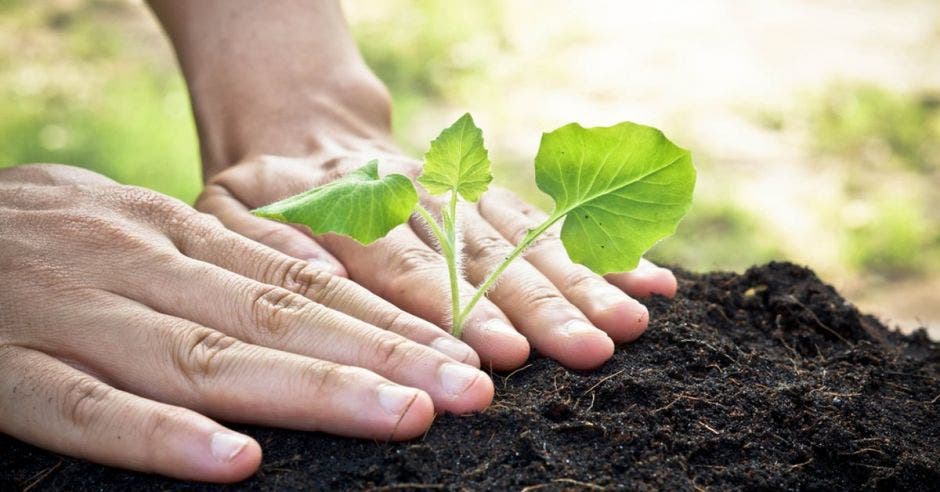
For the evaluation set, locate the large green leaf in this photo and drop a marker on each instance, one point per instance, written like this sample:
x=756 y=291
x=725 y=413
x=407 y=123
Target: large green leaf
x=458 y=161
x=620 y=189
x=360 y=205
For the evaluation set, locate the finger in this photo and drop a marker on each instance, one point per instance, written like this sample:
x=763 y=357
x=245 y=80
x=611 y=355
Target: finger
x=47 y=403
x=183 y=363
x=204 y=240
x=622 y=317
x=399 y=268
x=271 y=316
x=646 y=280
x=553 y=325
x=216 y=200
x=350 y=298
x=404 y=270
x=513 y=217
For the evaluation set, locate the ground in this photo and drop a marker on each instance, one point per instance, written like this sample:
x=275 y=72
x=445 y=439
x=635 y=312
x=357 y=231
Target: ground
x=763 y=380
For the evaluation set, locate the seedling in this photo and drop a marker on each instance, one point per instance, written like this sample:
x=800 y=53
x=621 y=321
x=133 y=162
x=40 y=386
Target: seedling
x=618 y=190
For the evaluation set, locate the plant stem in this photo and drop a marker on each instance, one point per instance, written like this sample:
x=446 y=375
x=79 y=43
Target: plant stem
x=453 y=269
x=531 y=236
x=436 y=229
x=447 y=238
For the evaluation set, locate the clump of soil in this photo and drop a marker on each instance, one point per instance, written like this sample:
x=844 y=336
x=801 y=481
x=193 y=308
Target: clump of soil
x=763 y=380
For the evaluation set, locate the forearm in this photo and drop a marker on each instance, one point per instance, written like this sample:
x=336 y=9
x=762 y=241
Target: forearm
x=282 y=77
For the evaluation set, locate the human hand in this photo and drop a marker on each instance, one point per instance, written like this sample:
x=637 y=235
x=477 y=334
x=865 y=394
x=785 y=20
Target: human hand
x=307 y=93
x=564 y=310
x=127 y=319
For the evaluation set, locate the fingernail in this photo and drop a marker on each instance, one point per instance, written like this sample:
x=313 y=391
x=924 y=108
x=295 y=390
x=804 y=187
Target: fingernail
x=456 y=378
x=452 y=348
x=577 y=327
x=497 y=325
x=225 y=445
x=395 y=399
x=610 y=299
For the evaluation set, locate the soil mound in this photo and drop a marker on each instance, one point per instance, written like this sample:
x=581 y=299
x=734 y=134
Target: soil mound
x=763 y=380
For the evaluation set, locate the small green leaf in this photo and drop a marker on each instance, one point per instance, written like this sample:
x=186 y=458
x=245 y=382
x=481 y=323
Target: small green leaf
x=458 y=161
x=360 y=205
x=620 y=189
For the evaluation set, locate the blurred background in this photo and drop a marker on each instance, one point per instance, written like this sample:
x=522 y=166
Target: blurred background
x=815 y=124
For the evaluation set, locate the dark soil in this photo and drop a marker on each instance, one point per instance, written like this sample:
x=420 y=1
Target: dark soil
x=765 y=380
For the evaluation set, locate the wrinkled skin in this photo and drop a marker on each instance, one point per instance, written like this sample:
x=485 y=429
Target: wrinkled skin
x=563 y=309
x=128 y=319
x=279 y=113
x=133 y=319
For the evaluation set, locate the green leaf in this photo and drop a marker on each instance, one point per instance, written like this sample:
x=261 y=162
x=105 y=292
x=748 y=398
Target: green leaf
x=620 y=189
x=360 y=205
x=458 y=161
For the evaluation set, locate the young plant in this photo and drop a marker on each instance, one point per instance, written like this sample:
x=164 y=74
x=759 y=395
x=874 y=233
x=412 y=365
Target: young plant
x=618 y=190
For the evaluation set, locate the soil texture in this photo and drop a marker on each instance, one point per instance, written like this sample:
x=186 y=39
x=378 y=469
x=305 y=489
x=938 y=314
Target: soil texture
x=763 y=380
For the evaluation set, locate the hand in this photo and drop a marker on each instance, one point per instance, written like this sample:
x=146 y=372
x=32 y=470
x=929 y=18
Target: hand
x=126 y=316
x=307 y=93
x=564 y=310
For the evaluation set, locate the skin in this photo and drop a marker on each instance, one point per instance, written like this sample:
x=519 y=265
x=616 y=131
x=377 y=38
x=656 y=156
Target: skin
x=300 y=108
x=137 y=319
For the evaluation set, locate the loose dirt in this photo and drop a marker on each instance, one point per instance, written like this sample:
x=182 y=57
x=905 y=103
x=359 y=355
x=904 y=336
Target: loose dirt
x=767 y=379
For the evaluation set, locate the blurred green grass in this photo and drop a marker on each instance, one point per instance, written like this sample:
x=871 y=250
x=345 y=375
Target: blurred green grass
x=889 y=143
x=73 y=90
x=137 y=134
x=93 y=84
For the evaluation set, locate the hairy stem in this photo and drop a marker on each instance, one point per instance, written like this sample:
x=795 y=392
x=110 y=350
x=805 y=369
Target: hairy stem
x=435 y=229
x=531 y=236
x=447 y=238
x=453 y=269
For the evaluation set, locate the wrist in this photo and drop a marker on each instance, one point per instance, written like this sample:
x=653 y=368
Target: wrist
x=280 y=78
x=348 y=112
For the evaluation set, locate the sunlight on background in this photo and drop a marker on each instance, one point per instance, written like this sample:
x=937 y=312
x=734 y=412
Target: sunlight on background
x=815 y=124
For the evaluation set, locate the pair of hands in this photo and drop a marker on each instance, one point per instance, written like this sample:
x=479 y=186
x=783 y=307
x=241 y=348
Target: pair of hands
x=130 y=317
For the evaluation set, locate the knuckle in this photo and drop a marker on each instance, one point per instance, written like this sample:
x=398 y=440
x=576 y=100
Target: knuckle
x=324 y=378
x=413 y=260
x=83 y=401
x=488 y=248
x=300 y=277
x=518 y=230
x=199 y=354
x=549 y=238
x=165 y=211
x=206 y=220
x=540 y=295
x=579 y=278
x=275 y=310
x=333 y=169
x=159 y=423
x=393 y=320
x=196 y=225
x=167 y=256
x=391 y=351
